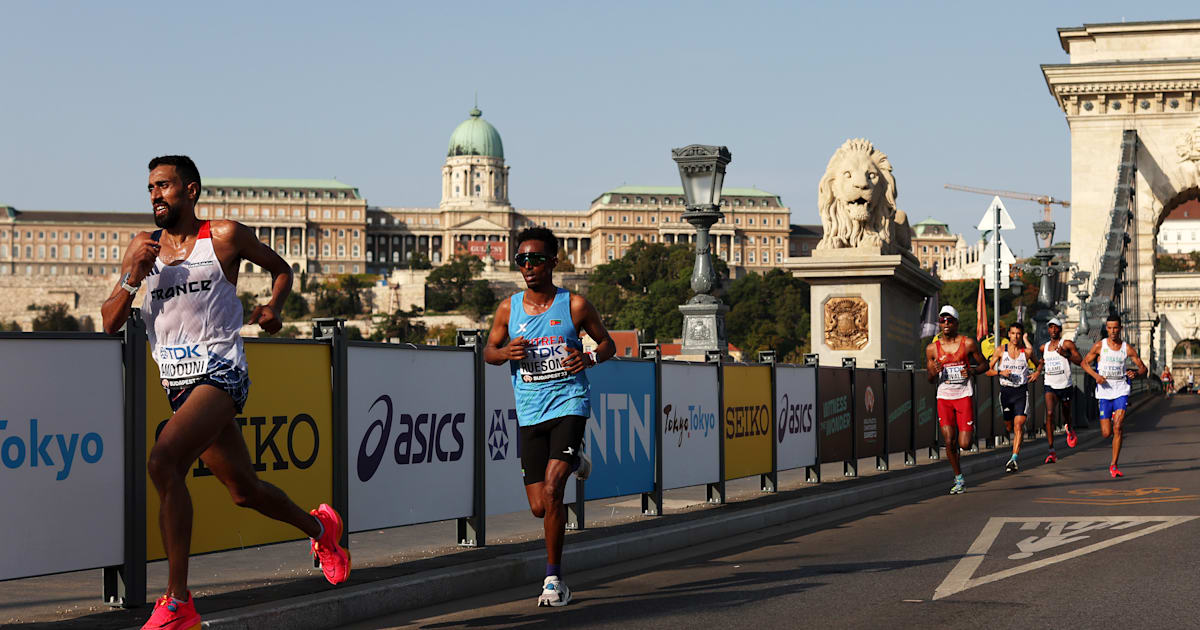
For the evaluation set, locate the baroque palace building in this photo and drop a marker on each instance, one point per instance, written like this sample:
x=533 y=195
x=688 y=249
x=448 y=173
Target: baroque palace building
x=326 y=227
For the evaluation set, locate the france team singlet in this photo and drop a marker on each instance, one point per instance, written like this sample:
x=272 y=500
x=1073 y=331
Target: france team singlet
x=193 y=316
x=542 y=387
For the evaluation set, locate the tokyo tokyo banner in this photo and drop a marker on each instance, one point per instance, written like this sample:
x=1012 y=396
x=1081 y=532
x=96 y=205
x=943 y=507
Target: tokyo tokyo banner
x=411 y=435
x=690 y=429
x=869 y=410
x=287 y=425
x=795 y=418
x=505 y=487
x=620 y=433
x=62 y=455
x=836 y=427
x=748 y=416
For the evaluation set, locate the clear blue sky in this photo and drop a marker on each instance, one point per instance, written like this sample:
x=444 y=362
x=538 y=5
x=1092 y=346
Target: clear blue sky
x=587 y=96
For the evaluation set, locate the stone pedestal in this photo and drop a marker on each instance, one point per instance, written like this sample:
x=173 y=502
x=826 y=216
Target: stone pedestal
x=703 y=326
x=866 y=305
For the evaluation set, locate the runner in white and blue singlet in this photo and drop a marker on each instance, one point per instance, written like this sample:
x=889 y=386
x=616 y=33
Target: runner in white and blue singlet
x=537 y=332
x=1112 y=383
x=193 y=317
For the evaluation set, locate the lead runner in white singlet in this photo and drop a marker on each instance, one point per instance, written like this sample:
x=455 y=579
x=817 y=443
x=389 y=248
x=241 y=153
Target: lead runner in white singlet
x=189 y=270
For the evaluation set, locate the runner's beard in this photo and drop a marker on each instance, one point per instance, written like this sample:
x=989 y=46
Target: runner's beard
x=168 y=220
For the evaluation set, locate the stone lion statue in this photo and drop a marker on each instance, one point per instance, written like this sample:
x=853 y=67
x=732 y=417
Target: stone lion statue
x=857 y=202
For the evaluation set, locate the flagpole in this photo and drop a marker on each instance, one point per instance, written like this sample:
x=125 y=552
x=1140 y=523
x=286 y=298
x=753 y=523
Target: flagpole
x=996 y=287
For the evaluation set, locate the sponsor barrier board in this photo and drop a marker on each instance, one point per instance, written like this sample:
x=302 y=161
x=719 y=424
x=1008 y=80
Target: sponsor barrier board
x=748 y=420
x=690 y=425
x=869 y=412
x=899 y=411
x=836 y=430
x=505 y=488
x=986 y=419
x=620 y=432
x=287 y=427
x=795 y=417
x=411 y=435
x=925 y=422
x=62 y=455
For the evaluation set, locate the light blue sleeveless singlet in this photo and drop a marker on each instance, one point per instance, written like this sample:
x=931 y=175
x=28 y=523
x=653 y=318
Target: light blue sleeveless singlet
x=543 y=389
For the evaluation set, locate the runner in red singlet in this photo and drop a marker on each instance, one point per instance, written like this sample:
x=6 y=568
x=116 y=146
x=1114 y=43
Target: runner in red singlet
x=951 y=361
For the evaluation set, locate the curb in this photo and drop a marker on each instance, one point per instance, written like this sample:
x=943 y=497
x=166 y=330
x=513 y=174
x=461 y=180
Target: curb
x=362 y=602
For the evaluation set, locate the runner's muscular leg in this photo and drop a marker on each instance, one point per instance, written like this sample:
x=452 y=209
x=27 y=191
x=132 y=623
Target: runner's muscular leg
x=1118 y=433
x=1018 y=433
x=555 y=521
x=229 y=460
x=950 y=439
x=1051 y=409
x=187 y=434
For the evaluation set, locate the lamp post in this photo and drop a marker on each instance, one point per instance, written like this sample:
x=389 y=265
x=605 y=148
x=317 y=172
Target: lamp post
x=702 y=172
x=1044 y=230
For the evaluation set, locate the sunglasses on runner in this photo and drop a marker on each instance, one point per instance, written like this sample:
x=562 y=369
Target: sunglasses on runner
x=946 y=318
x=534 y=259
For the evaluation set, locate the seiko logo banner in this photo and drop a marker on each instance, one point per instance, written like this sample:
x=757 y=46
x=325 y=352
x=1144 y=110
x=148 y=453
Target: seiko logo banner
x=274 y=442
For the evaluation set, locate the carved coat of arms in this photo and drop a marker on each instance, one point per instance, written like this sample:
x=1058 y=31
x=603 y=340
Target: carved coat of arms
x=846 y=325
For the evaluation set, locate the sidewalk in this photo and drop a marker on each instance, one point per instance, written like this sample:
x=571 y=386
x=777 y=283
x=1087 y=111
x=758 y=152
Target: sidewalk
x=414 y=566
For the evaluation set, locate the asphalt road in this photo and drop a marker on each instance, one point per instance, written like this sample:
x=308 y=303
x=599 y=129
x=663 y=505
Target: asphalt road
x=1055 y=545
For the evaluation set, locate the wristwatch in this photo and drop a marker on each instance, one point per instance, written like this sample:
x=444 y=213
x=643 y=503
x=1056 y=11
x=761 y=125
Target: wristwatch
x=129 y=287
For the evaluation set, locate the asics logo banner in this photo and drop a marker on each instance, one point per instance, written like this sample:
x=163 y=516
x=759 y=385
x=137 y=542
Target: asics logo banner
x=423 y=438
x=794 y=418
x=41 y=449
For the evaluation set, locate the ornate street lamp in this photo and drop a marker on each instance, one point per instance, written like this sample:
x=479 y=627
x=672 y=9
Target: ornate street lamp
x=1044 y=230
x=702 y=172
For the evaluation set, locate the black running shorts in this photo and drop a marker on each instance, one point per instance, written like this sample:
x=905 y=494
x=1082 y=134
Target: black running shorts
x=1014 y=401
x=561 y=438
x=1063 y=394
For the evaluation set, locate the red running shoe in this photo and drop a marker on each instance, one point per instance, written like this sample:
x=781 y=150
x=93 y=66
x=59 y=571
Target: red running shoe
x=1051 y=458
x=173 y=614
x=1112 y=470
x=335 y=561
x=1072 y=440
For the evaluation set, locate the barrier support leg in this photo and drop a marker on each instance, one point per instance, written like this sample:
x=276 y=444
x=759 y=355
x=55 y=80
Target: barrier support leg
x=716 y=492
x=125 y=585
x=850 y=468
x=575 y=514
x=769 y=482
x=652 y=503
x=910 y=458
x=812 y=474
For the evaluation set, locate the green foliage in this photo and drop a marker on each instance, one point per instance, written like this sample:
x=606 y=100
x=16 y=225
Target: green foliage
x=1178 y=262
x=643 y=289
x=287 y=332
x=342 y=297
x=354 y=333
x=769 y=311
x=480 y=299
x=248 y=304
x=445 y=334
x=401 y=325
x=54 y=317
x=963 y=294
x=446 y=286
x=11 y=326
x=295 y=307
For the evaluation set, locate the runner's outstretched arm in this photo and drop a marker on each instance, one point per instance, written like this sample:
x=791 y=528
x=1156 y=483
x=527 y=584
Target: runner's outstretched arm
x=248 y=247
x=138 y=262
x=1074 y=350
x=587 y=319
x=1091 y=357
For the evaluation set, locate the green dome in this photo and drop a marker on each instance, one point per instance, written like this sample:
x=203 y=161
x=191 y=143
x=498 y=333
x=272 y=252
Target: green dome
x=476 y=136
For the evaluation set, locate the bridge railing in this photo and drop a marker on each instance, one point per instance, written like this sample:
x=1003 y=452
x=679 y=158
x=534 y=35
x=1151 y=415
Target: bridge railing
x=1109 y=294
x=398 y=435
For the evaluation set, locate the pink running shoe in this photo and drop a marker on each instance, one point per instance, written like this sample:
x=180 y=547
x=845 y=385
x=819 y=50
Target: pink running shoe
x=173 y=614
x=1112 y=470
x=1051 y=458
x=1072 y=439
x=335 y=561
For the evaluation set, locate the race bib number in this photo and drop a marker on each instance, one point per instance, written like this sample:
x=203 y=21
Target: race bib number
x=1112 y=369
x=1012 y=380
x=182 y=364
x=1056 y=368
x=544 y=363
x=956 y=374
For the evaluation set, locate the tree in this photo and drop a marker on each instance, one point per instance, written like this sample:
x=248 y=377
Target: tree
x=399 y=325
x=341 y=298
x=769 y=312
x=54 y=317
x=480 y=299
x=287 y=332
x=1168 y=263
x=447 y=285
x=11 y=326
x=295 y=307
x=446 y=334
x=248 y=304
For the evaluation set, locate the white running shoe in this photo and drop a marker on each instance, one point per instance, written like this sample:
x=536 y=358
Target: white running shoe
x=554 y=592
x=585 y=467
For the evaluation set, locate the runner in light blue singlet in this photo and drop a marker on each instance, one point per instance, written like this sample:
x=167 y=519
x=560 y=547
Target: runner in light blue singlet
x=543 y=388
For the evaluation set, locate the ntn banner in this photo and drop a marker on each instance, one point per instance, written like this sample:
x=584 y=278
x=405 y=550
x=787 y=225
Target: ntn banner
x=411 y=435
x=620 y=433
x=748 y=420
x=287 y=426
x=690 y=424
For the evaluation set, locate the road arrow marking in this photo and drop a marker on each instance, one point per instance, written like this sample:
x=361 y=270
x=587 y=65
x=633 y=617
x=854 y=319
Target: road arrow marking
x=1057 y=531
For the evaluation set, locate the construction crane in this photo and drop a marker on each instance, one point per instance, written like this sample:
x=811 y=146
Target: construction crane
x=1045 y=200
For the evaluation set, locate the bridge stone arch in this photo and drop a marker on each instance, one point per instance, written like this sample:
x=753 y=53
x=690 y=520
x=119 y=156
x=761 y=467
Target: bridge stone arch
x=1144 y=78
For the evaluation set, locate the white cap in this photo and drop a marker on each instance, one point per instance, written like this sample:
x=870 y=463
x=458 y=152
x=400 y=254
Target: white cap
x=949 y=310
x=1055 y=321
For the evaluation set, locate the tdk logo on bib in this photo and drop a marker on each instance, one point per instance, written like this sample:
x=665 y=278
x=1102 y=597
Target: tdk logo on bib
x=177 y=353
